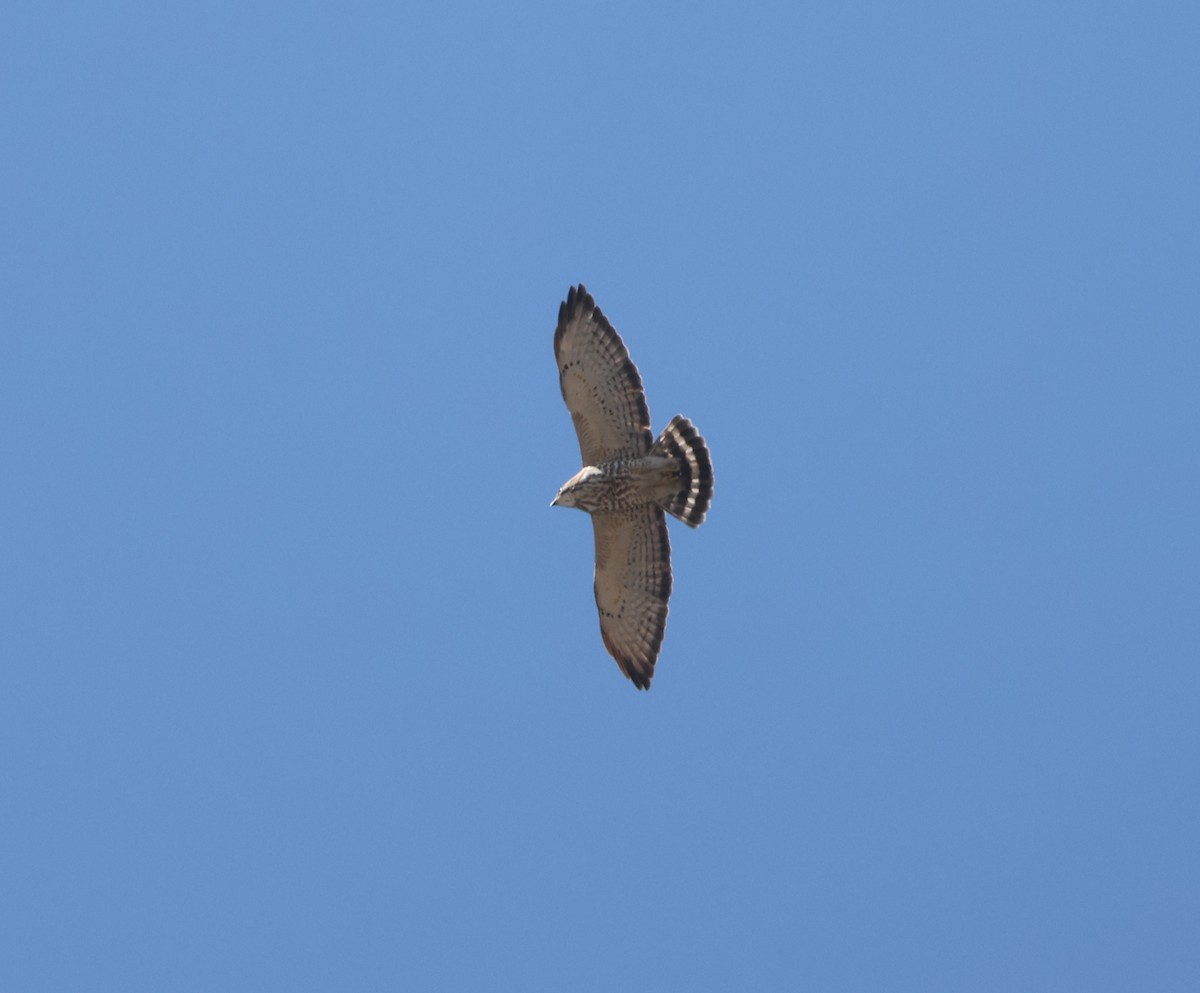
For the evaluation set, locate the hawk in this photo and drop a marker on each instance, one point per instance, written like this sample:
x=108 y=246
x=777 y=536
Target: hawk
x=628 y=480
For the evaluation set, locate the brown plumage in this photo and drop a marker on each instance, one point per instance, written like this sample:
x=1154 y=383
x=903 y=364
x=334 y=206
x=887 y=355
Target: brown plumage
x=627 y=482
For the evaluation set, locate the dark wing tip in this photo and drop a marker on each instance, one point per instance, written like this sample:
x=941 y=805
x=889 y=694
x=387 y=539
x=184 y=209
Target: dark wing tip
x=578 y=302
x=630 y=667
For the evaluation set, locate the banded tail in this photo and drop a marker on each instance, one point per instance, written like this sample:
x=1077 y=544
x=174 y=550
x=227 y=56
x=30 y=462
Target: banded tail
x=682 y=442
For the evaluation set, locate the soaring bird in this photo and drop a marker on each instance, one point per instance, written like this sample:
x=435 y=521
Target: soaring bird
x=629 y=478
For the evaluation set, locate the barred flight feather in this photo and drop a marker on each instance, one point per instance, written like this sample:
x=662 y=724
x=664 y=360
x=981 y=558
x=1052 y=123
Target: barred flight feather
x=682 y=442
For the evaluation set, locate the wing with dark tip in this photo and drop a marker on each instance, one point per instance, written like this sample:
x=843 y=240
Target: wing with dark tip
x=633 y=585
x=599 y=382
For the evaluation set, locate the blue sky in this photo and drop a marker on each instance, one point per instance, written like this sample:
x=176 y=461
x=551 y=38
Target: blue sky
x=302 y=680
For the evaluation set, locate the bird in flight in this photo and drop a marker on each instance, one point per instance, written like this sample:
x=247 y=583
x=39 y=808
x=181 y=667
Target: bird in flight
x=629 y=478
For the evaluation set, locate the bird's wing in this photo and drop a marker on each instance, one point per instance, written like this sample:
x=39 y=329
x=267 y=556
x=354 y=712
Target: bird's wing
x=600 y=383
x=633 y=585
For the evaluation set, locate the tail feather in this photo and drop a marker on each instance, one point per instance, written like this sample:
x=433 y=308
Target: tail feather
x=682 y=442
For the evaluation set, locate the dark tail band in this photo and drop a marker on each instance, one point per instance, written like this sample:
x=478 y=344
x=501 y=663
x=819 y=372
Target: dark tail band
x=682 y=442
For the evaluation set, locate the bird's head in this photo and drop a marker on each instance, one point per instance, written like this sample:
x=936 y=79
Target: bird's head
x=575 y=488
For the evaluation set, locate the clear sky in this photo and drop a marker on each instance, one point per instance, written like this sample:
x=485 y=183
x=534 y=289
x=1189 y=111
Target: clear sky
x=301 y=682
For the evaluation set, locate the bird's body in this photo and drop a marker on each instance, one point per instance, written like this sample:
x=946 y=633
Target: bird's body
x=627 y=482
x=620 y=484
